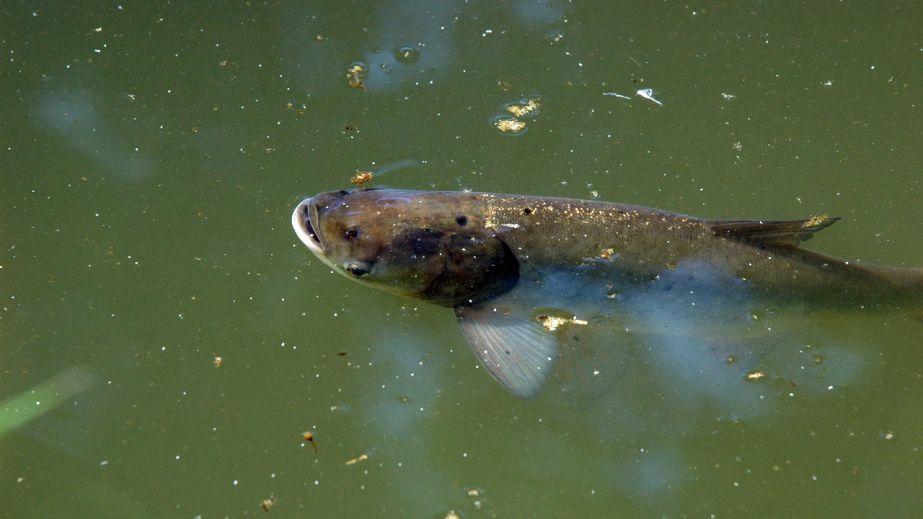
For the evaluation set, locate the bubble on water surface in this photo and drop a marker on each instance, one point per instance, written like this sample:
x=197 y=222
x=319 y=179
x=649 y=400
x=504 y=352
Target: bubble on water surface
x=407 y=54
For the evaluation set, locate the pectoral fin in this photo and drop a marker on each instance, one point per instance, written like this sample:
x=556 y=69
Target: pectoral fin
x=771 y=233
x=514 y=349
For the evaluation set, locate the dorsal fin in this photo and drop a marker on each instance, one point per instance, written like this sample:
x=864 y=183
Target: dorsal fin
x=763 y=233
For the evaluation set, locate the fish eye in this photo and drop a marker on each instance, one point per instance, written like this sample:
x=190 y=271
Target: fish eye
x=352 y=233
x=461 y=220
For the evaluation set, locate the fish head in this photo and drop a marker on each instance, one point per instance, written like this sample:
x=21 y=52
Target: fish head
x=429 y=245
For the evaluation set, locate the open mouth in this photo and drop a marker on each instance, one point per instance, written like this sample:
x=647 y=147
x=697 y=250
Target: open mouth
x=302 y=217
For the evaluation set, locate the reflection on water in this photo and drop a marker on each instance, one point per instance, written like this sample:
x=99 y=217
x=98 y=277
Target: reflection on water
x=73 y=114
x=143 y=265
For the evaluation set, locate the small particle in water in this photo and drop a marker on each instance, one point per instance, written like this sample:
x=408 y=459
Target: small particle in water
x=361 y=177
x=648 y=93
x=341 y=354
x=888 y=435
x=406 y=54
x=473 y=492
x=504 y=85
x=555 y=36
x=355 y=75
x=217 y=361
x=319 y=37
x=223 y=63
x=756 y=375
x=452 y=514
x=361 y=457
x=616 y=94
x=309 y=437
x=730 y=359
x=268 y=503
x=727 y=96
x=510 y=125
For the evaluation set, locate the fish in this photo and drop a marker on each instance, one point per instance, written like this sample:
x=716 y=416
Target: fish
x=531 y=277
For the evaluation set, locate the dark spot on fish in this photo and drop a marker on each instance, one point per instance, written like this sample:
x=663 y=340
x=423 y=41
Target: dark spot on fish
x=352 y=233
x=356 y=271
x=419 y=242
x=527 y=210
x=342 y=192
x=462 y=220
x=304 y=210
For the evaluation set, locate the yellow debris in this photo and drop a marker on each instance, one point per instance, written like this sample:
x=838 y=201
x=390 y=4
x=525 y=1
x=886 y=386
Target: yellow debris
x=756 y=375
x=361 y=177
x=510 y=125
x=353 y=461
x=552 y=322
x=523 y=109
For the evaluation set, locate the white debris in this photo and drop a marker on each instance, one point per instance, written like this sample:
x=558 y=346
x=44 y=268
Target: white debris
x=648 y=94
x=616 y=94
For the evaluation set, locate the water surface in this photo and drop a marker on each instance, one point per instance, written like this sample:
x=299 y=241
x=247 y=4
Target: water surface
x=151 y=155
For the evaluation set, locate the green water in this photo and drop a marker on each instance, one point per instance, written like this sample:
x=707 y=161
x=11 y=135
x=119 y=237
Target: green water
x=150 y=155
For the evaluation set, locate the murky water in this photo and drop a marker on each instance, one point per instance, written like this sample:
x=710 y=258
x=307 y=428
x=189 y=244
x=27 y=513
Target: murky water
x=151 y=154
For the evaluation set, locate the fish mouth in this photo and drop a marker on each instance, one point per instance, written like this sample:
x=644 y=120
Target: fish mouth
x=304 y=217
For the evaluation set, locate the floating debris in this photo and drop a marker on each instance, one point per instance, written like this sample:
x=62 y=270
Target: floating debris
x=452 y=514
x=268 y=503
x=648 y=93
x=524 y=108
x=309 y=437
x=510 y=125
x=473 y=492
x=355 y=75
x=552 y=322
x=361 y=177
x=727 y=97
x=353 y=461
x=506 y=86
x=616 y=94
x=218 y=361
x=756 y=375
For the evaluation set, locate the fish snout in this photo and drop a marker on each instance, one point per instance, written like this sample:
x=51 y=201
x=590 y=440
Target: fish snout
x=304 y=221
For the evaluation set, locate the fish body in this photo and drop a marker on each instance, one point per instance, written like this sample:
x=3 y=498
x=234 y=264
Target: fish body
x=527 y=274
